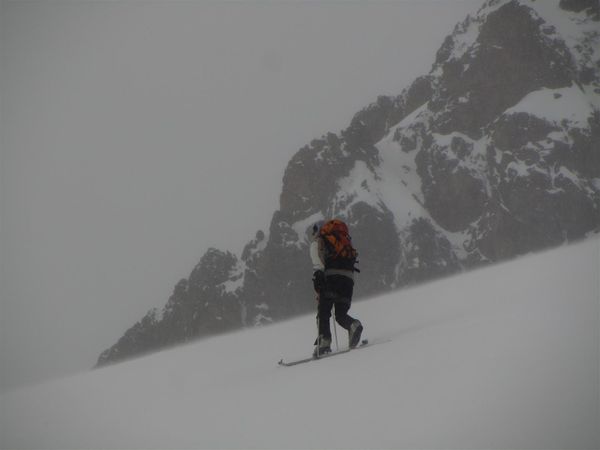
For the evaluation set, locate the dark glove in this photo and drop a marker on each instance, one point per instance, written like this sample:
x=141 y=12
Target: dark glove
x=318 y=280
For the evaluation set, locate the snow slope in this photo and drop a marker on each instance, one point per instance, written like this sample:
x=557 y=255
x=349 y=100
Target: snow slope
x=502 y=357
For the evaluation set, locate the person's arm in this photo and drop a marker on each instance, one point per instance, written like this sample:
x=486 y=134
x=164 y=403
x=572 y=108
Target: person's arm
x=315 y=256
x=318 y=266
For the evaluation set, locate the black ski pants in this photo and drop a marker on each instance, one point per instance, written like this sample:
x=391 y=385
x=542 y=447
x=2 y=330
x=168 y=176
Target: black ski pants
x=336 y=293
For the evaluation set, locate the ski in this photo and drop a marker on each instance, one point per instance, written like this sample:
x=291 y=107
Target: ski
x=364 y=343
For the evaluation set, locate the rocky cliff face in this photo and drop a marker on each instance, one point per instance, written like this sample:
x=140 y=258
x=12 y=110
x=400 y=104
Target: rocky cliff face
x=491 y=155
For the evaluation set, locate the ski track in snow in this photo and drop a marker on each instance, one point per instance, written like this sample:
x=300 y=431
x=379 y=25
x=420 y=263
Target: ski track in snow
x=502 y=357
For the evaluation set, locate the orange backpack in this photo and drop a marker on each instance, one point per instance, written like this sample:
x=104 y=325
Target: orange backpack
x=340 y=252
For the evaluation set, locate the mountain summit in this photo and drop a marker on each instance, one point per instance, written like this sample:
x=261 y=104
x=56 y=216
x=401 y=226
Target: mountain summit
x=491 y=155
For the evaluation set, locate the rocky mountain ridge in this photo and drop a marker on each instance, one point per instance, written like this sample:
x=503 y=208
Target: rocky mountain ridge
x=491 y=155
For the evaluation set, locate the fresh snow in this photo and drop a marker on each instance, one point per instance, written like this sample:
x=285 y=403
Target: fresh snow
x=359 y=186
x=398 y=167
x=555 y=105
x=236 y=280
x=573 y=29
x=502 y=357
x=579 y=33
x=301 y=227
x=519 y=169
x=466 y=32
x=465 y=37
x=260 y=246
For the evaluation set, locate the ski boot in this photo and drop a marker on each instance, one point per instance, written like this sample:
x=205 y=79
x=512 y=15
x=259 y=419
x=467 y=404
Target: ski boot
x=354 y=334
x=322 y=346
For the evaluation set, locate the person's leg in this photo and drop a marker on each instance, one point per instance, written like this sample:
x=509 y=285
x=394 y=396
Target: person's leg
x=323 y=341
x=323 y=316
x=344 y=289
x=341 y=315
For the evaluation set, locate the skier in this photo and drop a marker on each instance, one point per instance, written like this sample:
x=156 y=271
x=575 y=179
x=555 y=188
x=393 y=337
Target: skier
x=333 y=259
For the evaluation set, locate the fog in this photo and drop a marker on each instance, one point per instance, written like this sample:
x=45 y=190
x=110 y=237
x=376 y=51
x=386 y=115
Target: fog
x=136 y=135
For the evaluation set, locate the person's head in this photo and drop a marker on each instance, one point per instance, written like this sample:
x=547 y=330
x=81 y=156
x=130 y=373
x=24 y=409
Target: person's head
x=316 y=227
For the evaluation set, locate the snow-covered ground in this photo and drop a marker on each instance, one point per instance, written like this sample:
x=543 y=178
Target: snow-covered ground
x=502 y=357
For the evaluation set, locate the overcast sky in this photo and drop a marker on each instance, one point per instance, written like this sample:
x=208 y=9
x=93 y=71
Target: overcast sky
x=135 y=135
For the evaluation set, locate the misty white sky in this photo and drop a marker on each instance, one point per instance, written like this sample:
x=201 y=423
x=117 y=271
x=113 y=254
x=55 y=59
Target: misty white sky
x=135 y=135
